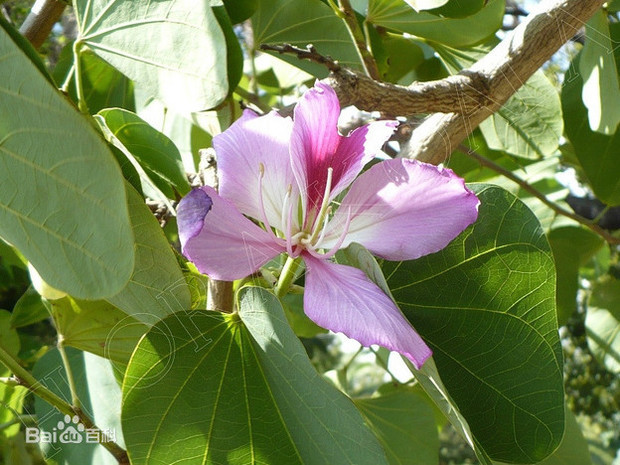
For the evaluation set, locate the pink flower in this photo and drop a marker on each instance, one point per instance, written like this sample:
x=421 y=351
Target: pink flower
x=286 y=174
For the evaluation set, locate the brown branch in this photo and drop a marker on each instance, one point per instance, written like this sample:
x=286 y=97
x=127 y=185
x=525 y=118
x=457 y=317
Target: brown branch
x=464 y=92
x=309 y=53
x=539 y=195
x=506 y=68
x=39 y=22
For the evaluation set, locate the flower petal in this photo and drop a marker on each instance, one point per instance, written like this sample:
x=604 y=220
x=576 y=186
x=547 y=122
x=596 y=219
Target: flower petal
x=219 y=240
x=251 y=141
x=356 y=150
x=342 y=299
x=404 y=209
x=316 y=145
x=314 y=140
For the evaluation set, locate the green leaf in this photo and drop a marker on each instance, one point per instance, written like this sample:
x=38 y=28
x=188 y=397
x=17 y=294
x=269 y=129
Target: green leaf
x=572 y=247
x=28 y=309
x=431 y=382
x=103 y=85
x=529 y=124
x=454 y=32
x=240 y=10
x=62 y=202
x=426 y=4
x=234 y=55
x=261 y=401
x=176 y=51
x=282 y=21
x=11 y=397
x=97 y=327
x=599 y=71
x=157 y=286
x=603 y=324
x=155 y=152
x=100 y=397
x=26 y=47
x=485 y=305
x=574 y=448
x=597 y=153
x=460 y=8
x=404 y=423
x=293 y=306
x=399 y=57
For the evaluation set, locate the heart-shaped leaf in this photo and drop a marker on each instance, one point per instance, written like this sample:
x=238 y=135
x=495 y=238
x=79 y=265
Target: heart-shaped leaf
x=175 y=51
x=261 y=401
x=486 y=306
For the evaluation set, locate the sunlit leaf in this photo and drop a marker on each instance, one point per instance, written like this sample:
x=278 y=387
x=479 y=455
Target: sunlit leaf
x=529 y=124
x=62 y=202
x=603 y=324
x=455 y=32
x=11 y=397
x=426 y=4
x=155 y=152
x=283 y=21
x=597 y=153
x=599 y=71
x=175 y=50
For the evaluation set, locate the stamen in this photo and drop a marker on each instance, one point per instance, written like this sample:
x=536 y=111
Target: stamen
x=265 y=220
x=325 y=223
x=324 y=205
x=337 y=245
x=288 y=223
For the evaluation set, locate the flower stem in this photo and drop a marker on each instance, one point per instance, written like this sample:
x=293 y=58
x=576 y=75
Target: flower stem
x=287 y=276
x=79 y=89
x=350 y=19
x=30 y=382
x=75 y=400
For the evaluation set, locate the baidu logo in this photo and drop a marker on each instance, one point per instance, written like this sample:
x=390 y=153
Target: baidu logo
x=69 y=431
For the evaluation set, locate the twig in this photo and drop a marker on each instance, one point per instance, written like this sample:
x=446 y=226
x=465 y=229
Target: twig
x=26 y=379
x=309 y=53
x=349 y=18
x=539 y=195
x=40 y=21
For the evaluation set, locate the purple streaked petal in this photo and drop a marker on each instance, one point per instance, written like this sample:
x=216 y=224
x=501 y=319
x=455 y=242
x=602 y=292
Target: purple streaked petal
x=314 y=140
x=222 y=243
x=251 y=141
x=191 y=213
x=356 y=150
x=404 y=209
x=342 y=299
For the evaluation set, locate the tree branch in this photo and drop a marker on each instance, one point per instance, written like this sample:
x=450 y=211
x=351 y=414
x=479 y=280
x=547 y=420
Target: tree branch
x=539 y=195
x=465 y=93
x=39 y=22
x=506 y=68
